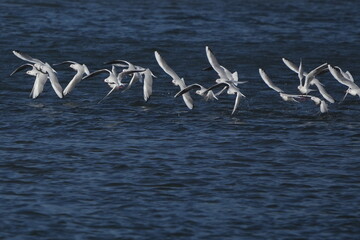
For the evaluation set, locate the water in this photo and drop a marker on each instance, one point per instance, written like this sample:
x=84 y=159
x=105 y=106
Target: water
x=125 y=169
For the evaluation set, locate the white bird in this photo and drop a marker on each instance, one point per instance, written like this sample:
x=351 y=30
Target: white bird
x=225 y=76
x=45 y=68
x=176 y=80
x=114 y=80
x=353 y=88
x=310 y=79
x=137 y=76
x=231 y=89
x=200 y=91
x=80 y=69
x=129 y=66
x=40 y=79
x=323 y=105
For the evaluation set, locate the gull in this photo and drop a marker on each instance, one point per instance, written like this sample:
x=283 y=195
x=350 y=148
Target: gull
x=148 y=76
x=323 y=105
x=292 y=97
x=225 y=76
x=200 y=91
x=114 y=80
x=310 y=79
x=231 y=89
x=80 y=69
x=125 y=64
x=44 y=68
x=177 y=81
x=229 y=76
x=40 y=79
x=353 y=88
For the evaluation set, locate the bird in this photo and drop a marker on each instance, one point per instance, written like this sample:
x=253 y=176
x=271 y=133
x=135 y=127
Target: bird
x=225 y=76
x=345 y=79
x=137 y=76
x=40 y=78
x=129 y=66
x=310 y=79
x=114 y=80
x=231 y=89
x=80 y=69
x=176 y=80
x=44 y=68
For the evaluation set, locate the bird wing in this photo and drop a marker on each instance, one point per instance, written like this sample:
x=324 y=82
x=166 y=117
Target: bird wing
x=222 y=84
x=71 y=85
x=64 y=62
x=21 y=68
x=290 y=65
x=221 y=91
x=268 y=81
x=301 y=73
x=86 y=69
x=323 y=107
x=148 y=81
x=313 y=73
x=340 y=78
x=135 y=77
x=187 y=89
x=38 y=86
x=107 y=94
x=97 y=72
x=349 y=76
x=188 y=100
x=215 y=64
x=228 y=73
x=237 y=102
x=322 y=90
x=166 y=67
x=26 y=57
x=53 y=80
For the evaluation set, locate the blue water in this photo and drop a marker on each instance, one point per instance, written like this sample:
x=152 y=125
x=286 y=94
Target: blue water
x=125 y=169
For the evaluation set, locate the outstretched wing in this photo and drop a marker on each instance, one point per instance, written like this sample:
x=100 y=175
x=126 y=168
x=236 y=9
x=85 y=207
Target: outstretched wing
x=268 y=81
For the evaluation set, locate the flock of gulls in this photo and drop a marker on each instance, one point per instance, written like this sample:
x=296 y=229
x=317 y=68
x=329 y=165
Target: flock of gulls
x=227 y=81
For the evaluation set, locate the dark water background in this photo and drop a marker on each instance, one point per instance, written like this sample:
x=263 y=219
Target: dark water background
x=125 y=169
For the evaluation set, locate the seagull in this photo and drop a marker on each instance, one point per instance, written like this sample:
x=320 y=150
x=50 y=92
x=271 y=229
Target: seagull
x=148 y=76
x=114 y=80
x=323 y=105
x=310 y=79
x=81 y=70
x=177 y=81
x=40 y=79
x=292 y=97
x=231 y=89
x=125 y=64
x=225 y=76
x=353 y=88
x=44 y=68
x=200 y=91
